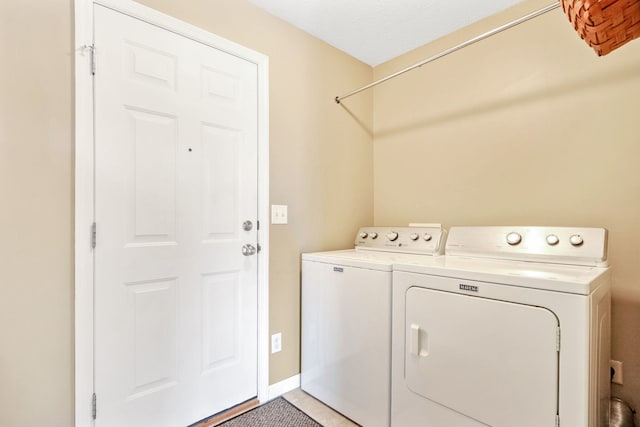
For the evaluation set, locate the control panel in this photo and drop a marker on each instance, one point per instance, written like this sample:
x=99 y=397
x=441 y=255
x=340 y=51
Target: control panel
x=419 y=240
x=560 y=245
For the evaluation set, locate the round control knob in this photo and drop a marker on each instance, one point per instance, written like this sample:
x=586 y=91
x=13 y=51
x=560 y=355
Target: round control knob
x=414 y=236
x=373 y=235
x=392 y=236
x=426 y=237
x=363 y=235
x=576 y=240
x=552 y=239
x=514 y=238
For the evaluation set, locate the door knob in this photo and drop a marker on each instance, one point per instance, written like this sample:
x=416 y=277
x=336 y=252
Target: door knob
x=248 y=250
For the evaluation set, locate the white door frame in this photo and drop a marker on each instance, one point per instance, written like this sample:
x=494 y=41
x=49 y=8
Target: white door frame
x=84 y=188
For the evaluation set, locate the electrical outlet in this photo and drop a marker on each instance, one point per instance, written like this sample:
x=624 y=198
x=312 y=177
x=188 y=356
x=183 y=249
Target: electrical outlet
x=276 y=343
x=616 y=367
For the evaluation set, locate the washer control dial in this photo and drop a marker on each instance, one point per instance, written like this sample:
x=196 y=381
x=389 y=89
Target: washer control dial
x=552 y=239
x=392 y=236
x=373 y=235
x=427 y=237
x=576 y=240
x=414 y=236
x=514 y=238
x=363 y=234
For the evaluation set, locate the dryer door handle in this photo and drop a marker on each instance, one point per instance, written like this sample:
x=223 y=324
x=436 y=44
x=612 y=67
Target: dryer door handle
x=418 y=341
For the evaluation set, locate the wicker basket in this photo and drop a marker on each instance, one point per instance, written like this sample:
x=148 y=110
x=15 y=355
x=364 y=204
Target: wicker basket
x=604 y=24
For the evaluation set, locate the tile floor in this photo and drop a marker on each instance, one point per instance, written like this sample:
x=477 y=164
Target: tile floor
x=317 y=410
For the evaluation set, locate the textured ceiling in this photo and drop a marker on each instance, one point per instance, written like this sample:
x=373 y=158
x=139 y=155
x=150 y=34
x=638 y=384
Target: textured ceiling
x=375 y=31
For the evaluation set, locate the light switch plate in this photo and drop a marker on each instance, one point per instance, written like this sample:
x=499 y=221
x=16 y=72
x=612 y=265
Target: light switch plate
x=279 y=214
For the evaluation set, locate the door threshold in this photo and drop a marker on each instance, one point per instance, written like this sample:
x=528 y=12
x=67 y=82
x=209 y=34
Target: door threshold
x=228 y=414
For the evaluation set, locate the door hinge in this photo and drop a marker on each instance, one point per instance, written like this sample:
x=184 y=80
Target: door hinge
x=558 y=339
x=93 y=59
x=93 y=235
x=94 y=405
x=92 y=51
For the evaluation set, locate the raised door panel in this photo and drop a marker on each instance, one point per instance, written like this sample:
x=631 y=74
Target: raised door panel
x=221 y=168
x=152 y=308
x=220 y=321
x=152 y=170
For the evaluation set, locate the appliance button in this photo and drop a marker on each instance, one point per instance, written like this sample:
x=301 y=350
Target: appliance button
x=426 y=237
x=414 y=236
x=576 y=240
x=392 y=236
x=514 y=238
x=552 y=239
x=363 y=235
x=373 y=235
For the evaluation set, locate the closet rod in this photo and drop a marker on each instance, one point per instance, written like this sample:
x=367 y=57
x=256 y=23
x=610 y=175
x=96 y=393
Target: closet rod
x=454 y=48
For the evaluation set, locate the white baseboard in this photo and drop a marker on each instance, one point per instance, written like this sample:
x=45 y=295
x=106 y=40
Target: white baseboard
x=284 y=386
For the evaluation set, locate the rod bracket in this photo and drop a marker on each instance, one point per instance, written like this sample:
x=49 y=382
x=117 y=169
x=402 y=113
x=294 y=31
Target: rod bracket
x=337 y=99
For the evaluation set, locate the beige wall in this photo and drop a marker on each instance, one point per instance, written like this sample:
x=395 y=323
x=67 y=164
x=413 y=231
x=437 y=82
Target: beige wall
x=529 y=127
x=36 y=222
x=321 y=167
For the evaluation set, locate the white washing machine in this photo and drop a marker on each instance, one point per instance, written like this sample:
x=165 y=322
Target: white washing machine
x=510 y=328
x=346 y=319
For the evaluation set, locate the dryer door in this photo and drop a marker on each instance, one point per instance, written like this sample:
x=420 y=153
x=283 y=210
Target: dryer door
x=493 y=361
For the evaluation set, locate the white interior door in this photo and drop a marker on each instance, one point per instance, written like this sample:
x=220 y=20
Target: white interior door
x=493 y=361
x=176 y=178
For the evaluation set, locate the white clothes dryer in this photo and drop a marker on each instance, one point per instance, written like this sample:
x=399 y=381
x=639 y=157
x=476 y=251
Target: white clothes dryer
x=510 y=328
x=346 y=319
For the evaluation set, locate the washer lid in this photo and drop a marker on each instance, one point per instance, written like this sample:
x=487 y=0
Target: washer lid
x=365 y=259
